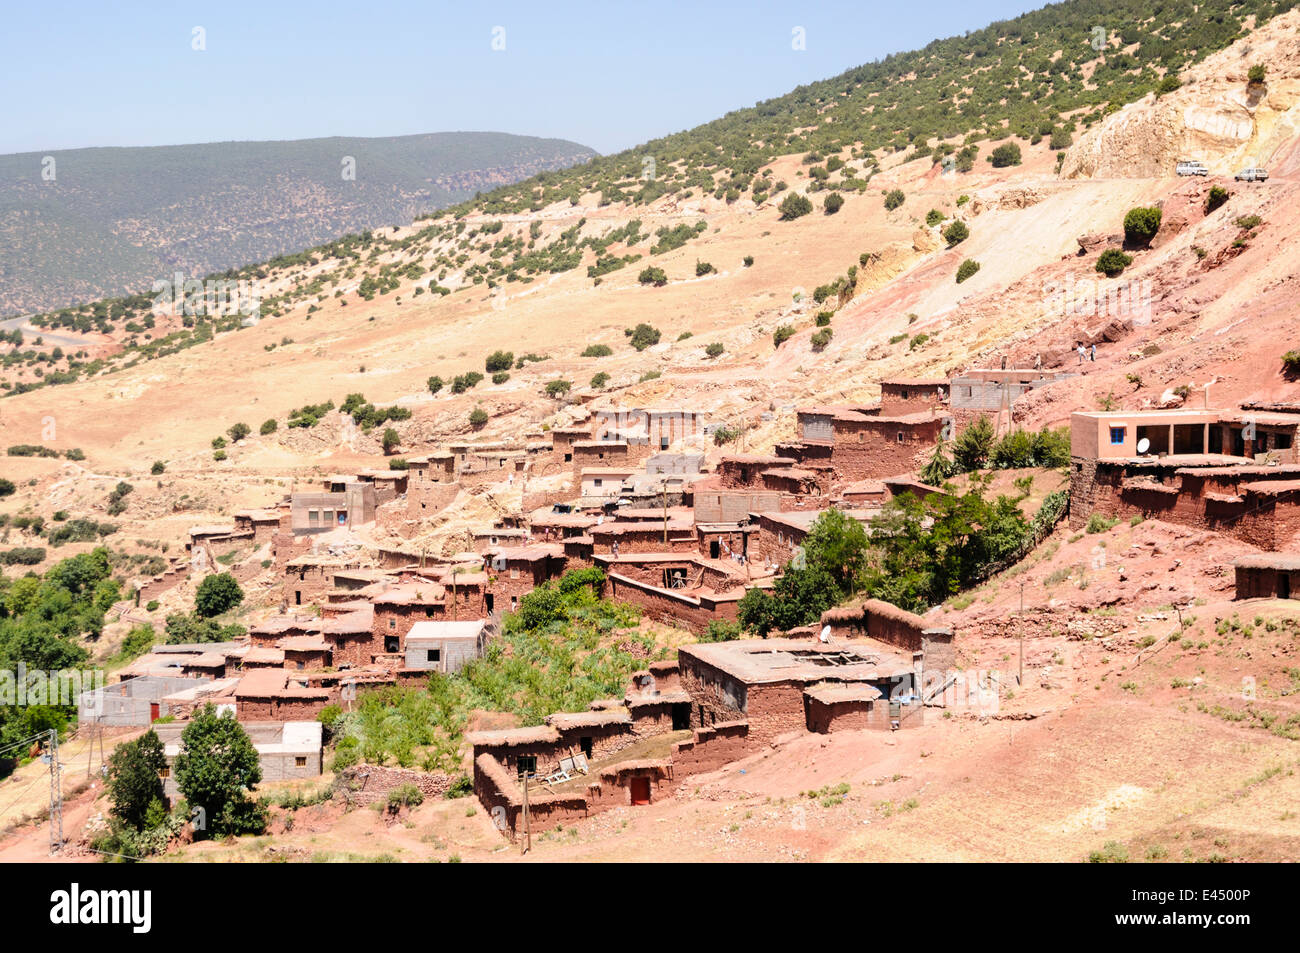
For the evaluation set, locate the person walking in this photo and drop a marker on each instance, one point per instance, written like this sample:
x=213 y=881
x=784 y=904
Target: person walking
x=1094 y=353
x=1079 y=347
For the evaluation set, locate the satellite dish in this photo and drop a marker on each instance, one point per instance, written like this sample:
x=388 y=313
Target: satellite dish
x=1144 y=445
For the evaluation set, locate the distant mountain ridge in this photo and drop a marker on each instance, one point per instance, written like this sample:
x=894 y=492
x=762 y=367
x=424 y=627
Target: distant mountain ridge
x=84 y=224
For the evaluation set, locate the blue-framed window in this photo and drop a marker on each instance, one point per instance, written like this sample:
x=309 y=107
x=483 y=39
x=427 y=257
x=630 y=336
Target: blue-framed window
x=1117 y=435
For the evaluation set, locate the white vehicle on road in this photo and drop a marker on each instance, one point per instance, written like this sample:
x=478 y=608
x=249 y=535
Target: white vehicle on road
x=1251 y=175
x=1191 y=167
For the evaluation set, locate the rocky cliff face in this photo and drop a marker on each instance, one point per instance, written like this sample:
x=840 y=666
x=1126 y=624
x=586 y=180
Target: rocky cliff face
x=1217 y=116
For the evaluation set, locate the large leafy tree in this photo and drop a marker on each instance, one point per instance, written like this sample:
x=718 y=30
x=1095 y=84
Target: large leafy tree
x=827 y=570
x=216 y=768
x=217 y=593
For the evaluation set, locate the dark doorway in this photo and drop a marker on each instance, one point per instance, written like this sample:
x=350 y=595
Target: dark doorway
x=488 y=599
x=392 y=643
x=681 y=716
x=714 y=549
x=640 y=788
x=586 y=746
x=1283 y=585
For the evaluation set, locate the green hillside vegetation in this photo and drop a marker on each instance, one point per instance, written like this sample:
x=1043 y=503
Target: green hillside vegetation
x=997 y=84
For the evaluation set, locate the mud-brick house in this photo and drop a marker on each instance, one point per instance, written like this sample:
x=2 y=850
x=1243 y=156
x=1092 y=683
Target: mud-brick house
x=399 y=607
x=901 y=396
x=863 y=443
x=763 y=683
x=930 y=646
x=262 y=524
x=271 y=694
x=515 y=571
x=1268 y=576
x=352 y=638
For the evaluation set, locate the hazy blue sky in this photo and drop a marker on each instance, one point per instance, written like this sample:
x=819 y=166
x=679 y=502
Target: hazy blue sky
x=609 y=75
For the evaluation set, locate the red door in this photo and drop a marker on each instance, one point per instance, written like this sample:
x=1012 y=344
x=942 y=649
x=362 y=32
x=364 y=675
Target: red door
x=153 y=711
x=640 y=790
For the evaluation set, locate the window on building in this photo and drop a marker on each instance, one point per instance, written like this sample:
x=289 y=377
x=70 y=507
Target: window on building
x=900 y=436
x=313 y=516
x=1117 y=435
x=902 y=395
x=392 y=643
x=392 y=623
x=434 y=655
x=300 y=761
x=1282 y=441
x=527 y=764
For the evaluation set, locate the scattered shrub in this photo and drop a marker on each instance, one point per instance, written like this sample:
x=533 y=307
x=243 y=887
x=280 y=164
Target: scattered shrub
x=1112 y=262
x=653 y=276
x=1141 y=225
x=643 y=336
x=966 y=269
x=794 y=206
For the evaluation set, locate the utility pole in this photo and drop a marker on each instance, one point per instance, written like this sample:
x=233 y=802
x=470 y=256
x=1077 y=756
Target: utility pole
x=665 y=489
x=56 y=796
x=528 y=819
x=1021 y=679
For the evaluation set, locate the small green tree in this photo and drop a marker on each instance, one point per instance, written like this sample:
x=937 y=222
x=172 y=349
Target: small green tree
x=218 y=593
x=435 y=384
x=239 y=431
x=1007 y=154
x=558 y=388
x=1215 y=199
x=714 y=349
x=1255 y=75
x=644 y=336
x=1112 y=262
x=499 y=361
x=966 y=269
x=599 y=380
x=478 y=417
x=391 y=440
x=269 y=426
x=894 y=198
x=135 y=778
x=216 y=768
x=956 y=233
x=834 y=202
x=971 y=449
x=651 y=275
